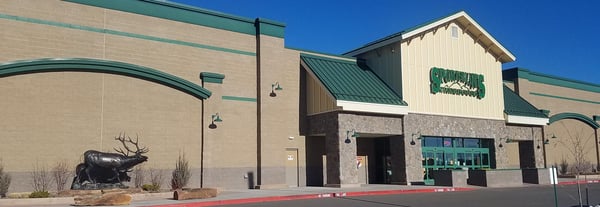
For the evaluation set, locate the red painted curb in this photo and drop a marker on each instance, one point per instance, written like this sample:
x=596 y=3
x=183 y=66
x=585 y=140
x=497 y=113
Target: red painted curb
x=247 y=200
x=312 y=196
x=390 y=192
x=580 y=182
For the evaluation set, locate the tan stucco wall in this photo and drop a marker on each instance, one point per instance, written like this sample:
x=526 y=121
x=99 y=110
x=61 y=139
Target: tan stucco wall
x=319 y=100
x=568 y=132
x=48 y=117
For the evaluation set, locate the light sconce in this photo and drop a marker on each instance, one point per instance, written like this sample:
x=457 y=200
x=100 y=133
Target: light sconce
x=547 y=141
x=214 y=118
x=350 y=133
x=275 y=87
x=412 y=141
x=507 y=140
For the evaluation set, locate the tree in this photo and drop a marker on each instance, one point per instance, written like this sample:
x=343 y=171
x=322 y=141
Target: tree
x=576 y=143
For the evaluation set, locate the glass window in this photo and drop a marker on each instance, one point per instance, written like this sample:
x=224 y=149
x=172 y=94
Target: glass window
x=486 y=143
x=450 y=162
x=432 y=142
x=447 y=142
x=460 y=159
x=485 y=159
x=471 y=143
x=469 y=159
x=454 y=31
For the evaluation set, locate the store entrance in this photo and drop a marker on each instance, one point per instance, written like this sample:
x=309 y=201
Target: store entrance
x=377 y=153
x=454 y=153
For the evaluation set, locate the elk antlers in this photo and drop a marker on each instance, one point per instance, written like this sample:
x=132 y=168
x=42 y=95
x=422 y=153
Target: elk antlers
x=138 y=151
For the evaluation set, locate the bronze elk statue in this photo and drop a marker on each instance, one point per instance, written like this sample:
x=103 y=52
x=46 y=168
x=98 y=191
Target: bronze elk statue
x=107 y=170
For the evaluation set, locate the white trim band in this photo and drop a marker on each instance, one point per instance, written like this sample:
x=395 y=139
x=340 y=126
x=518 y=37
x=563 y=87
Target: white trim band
x=512 y=119
x=372 y=107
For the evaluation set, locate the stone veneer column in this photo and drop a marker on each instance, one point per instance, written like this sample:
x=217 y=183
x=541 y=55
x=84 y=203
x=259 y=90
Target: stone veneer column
x=341 y=160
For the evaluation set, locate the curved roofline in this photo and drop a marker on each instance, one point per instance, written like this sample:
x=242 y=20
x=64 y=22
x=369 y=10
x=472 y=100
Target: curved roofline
x=102 y=66
x=568 y=115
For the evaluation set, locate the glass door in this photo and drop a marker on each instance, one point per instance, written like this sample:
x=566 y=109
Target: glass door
x=433 y=159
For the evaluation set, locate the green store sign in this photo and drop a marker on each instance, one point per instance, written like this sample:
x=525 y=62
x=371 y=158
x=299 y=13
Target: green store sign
x=456 y=83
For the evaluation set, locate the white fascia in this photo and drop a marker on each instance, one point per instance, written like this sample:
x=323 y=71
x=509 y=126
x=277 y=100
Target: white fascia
x=430 y=26
x=453 y=17
x=512 y=119
x=372 y=107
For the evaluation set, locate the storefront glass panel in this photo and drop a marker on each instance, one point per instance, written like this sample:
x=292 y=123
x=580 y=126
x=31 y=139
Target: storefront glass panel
x=454 y=153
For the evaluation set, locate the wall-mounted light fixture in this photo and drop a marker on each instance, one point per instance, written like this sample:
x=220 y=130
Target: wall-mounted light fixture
x=214 y=118
x=412 y=141
x=547 y=141
x=506 y=140
x=275 y=87
x=350 y=133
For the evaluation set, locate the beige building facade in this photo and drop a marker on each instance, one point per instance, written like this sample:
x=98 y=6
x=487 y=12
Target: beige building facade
x=248 y=112
x=571 y=136
x=76 y=74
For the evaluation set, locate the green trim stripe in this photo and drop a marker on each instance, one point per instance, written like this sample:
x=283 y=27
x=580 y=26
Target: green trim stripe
x=237 y=98
x=103 y=66
x=513 y=73
x=564 y=98
x=124 y=34
x=209 y=77
x=188 y=14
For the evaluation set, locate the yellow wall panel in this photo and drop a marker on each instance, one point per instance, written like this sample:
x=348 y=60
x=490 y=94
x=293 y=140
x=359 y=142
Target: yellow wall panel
x=437 y=48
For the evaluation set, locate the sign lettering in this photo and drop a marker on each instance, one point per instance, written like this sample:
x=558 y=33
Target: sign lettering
x=456 y=82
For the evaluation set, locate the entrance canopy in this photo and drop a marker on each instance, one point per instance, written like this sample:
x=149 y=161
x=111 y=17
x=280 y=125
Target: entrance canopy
x=519 y=111
x=353 y=86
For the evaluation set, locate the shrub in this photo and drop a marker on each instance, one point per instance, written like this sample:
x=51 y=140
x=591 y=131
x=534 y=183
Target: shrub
x=4 y=181
x=39 y=194
x=150 y=187
x=139 y=176
x=182 y=173
x=61 y=173
x=156 y=177
x=563 y=168
x=41 y=178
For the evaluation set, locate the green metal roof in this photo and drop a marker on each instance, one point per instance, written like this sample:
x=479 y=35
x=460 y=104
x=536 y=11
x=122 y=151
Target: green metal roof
x=518 y=106
x=350 y=81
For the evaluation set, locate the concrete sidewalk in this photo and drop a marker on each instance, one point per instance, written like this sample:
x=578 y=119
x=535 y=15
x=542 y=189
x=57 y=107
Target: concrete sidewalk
x=229 y=197
x=254 y=196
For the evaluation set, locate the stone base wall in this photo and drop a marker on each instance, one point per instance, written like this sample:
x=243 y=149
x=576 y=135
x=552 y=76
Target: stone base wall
x=495 y=178
x=536 y=176
x=455 y=178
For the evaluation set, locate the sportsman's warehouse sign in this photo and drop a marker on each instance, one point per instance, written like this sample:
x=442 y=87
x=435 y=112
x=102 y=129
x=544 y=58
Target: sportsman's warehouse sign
x=456 y=83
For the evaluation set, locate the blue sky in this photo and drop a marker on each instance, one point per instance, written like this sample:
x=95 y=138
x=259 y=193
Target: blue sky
x=553 y=37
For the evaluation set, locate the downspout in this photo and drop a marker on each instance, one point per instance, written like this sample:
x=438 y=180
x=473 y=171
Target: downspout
x=597 y=152
x=202 y=142
x=258 y=105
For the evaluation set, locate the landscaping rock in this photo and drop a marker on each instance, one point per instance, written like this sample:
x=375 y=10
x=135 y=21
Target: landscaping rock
x=197 y=193
x=116 y=197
